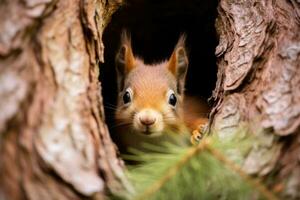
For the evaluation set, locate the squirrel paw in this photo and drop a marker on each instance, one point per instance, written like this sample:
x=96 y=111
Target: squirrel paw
x=197 y=134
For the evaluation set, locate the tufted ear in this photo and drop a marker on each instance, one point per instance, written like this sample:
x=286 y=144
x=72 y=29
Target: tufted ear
x=178 y=64
x=124 y=60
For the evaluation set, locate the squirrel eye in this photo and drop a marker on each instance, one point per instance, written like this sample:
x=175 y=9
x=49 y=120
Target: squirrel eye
x=127 y=97
x=172 y=99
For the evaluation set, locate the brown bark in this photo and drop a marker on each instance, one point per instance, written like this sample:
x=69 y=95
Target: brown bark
x=54 y=143
x=259 y=83
x=53 y=139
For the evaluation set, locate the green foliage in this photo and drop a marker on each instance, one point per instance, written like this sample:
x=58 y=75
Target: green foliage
x=204 y=171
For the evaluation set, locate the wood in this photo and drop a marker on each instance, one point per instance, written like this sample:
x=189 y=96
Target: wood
x=54 y=142
x=259 y=84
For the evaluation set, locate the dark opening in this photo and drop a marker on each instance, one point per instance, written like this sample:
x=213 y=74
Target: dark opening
x=155 y=26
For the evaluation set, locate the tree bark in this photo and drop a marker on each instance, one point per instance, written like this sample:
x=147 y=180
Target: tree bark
x=259 y=84
x=53 y=139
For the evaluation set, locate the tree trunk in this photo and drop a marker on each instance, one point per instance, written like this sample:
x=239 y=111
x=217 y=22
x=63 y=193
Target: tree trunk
x=53 y=139
x=54 y=142
x=259 y=83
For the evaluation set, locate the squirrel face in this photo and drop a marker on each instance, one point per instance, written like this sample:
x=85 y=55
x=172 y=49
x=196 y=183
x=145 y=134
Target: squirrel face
x=150 y=96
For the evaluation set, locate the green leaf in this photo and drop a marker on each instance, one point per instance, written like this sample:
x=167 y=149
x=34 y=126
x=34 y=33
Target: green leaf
x=178 y=172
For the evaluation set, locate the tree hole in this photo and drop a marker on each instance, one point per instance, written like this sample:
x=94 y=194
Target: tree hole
x=155 y=26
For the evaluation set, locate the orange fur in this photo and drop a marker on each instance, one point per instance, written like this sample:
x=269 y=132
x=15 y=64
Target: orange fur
x=149 y=89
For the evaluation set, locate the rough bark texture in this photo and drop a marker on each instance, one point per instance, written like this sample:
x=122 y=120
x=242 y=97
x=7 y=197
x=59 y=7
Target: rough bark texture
x=54 y=143
x=259 y=82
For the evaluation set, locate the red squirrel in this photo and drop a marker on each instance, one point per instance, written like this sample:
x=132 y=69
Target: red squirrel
x=151 y=99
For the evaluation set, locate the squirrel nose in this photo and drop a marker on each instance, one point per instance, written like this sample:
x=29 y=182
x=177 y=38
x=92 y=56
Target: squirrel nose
x=147 y=121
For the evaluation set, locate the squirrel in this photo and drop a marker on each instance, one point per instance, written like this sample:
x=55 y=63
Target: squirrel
x=151 y=98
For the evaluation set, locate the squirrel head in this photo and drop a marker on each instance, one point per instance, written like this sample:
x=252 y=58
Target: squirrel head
x=150 y=96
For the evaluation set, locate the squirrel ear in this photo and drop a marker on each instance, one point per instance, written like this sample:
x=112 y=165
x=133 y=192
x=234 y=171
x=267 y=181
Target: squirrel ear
x=178 y=63
x=124 y=60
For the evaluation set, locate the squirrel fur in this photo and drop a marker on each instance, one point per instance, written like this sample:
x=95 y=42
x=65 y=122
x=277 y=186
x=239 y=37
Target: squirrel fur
x=151 y=100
